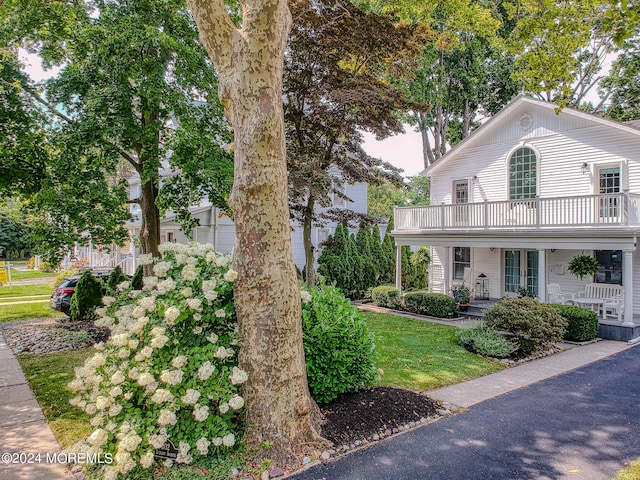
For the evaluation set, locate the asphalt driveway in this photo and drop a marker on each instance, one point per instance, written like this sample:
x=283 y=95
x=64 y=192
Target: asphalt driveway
x=582 y=425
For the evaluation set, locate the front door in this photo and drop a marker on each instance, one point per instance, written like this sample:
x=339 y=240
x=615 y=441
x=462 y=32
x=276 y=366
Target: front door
x=520 y=270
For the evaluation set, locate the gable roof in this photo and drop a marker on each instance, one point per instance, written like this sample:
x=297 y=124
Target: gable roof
x=632 y=127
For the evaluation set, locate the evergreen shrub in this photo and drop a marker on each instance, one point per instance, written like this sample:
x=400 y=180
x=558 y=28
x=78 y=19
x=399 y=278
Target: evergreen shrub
x=338 y=346
x=116 y=277
x=432 y=304
x=87 y=296
x=582 y=323
x=386 y=296
x=530 y=324
x=484 y=341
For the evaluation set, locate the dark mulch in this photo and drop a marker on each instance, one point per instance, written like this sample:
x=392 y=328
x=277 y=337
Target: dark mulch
x=369 y=412
x=98 y=334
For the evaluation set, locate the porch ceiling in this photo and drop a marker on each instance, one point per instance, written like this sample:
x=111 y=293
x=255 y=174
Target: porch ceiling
x=575 y=239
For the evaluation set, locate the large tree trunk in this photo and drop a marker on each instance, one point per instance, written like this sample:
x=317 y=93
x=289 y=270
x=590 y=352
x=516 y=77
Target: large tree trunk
x=280 y=410
x=150 y=216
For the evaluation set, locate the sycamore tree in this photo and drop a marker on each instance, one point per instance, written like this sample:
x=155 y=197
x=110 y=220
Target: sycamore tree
x=136 y=93
x=281 y=418
x=335 y=86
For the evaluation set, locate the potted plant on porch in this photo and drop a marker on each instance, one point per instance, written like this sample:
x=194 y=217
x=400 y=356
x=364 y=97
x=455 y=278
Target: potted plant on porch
x=462 y=295
x=583 y=266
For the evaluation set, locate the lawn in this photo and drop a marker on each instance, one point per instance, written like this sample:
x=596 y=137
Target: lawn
x=420 y=355
x=632 y=472
x=26 y=301
x=31 y=274
x=48 y=376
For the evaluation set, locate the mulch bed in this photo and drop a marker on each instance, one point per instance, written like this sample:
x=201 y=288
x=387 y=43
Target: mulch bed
x=378 y=411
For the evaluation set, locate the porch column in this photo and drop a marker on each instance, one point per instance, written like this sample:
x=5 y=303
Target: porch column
x=446 y=268
x=542 y=276
x=627 y=283
x=399 y=267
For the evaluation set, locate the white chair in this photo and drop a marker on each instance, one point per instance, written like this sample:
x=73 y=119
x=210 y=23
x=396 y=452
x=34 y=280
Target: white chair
x=555 y=295
x=613 y=307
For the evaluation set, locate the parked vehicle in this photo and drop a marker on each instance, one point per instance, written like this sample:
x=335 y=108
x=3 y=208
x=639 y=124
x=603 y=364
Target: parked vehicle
x=62 y=292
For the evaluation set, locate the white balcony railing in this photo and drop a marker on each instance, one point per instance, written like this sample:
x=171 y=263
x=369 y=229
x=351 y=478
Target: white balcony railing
x=606 y=210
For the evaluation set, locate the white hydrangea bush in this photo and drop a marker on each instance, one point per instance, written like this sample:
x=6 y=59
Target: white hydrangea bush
x=169 y=369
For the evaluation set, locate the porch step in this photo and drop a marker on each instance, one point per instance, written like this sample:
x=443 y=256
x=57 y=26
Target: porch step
x=474 y=311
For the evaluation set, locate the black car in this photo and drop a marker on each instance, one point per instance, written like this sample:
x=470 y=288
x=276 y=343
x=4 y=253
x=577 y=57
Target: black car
x=62 y=292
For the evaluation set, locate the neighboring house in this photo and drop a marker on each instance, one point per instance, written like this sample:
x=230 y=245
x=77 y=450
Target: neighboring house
x=530 y=189
x=219 y=230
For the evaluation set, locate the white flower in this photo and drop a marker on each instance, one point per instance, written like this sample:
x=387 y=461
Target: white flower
x=123 y=286
x=133 y=343
x=103 y=402
x=157 y=441
x=236 y=402
x=238 y=376
x=189 y=273
x=98 y=438
x=171 y=313
x=115 y=409
x=146 y=460
x=223 y=353
x=230 y=276
x=147 y=303
x=220 y=313
x=197 y=330
x=305 y=296
x=223 y=407
x=183 y=456
x=166 y=417
x=202 y=445
x=191 y=396
x=119 y=340
x=90 y=408
x=159 y=341
x=145 y=379
x=186 y=292
x=217 y=441
x=97 y=421
x=124 y=353
x=161 y=269
x=148 y=283
x=108 y=300
x=194 y=304
x=138 y=311
x=213 y=338
x=130 y=442
x=117 y=378
x=205 y=370
x=229 y=440
x=179 y=361
x=166 y=286
x=145 y=259
x=161 y=395
x=223 y=261
x=115 y=392
x=172 y=377
x=200 y=412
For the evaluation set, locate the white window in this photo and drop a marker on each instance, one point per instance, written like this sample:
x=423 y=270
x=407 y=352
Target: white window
x=523 y=174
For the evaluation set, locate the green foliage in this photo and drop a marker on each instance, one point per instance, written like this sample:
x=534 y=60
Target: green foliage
x=388 y=257
x=115 y=278
x=530 y=324
x=582 y=323
x=16 y=233
x=431 y=304
x=136 y=280
x=583 y=266
x=525 y=292
x=484 y=341
x=338 y=346
x=386 y=296
x=461 y=294
x=87 y=295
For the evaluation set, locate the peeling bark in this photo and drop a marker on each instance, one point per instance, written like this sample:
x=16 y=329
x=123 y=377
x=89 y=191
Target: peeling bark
x=280 y=411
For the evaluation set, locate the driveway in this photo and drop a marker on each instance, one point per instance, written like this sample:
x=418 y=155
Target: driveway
x=582 y=425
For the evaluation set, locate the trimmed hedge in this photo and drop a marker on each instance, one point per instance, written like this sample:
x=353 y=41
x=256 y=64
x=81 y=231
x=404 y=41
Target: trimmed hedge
x=432 y=304
x=87 y=295
x=386 y=296
x=582 y=322
x=484 y=341
x=531 y=324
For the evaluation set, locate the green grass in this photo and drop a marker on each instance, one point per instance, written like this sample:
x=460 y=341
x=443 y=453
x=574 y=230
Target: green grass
x=421 y=356
x=48 y=376
x=23 y=290
x=632 y=472
x=23 y=311
x=31 y=274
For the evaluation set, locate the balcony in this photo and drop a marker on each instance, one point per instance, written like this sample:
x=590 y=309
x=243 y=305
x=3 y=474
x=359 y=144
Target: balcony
x=589 y=211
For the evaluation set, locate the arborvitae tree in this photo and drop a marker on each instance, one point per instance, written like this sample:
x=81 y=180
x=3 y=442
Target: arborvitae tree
x=330 y=262
x=116 y=277
x=136 y=280
x=86 y=297
x=364 y=249
x=420 y=261
x=388 y=259
x=408 y=273
x=376 y=252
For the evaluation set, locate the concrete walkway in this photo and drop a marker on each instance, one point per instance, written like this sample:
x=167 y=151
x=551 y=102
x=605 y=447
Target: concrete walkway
x=23 y=428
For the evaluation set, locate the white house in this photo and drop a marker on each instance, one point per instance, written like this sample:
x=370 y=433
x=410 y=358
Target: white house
x=219 y=230
x=530 y=189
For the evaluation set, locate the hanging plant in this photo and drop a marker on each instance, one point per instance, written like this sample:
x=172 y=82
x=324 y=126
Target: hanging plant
x=583 y=266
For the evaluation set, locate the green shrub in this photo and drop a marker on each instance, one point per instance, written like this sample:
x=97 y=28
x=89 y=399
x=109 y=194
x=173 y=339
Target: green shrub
x=116 y=277
x=386 y=296
x=582 y=322
x=86 y=297
x=432 y=304
x=136 y=280
x=530 y=323
x=486 y=342
x=338 y=346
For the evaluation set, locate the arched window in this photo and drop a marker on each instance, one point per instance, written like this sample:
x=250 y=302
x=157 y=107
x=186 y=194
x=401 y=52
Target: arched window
x=523 y=174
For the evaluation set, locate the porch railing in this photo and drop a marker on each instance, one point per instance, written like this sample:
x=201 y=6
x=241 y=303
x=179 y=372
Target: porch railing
x=618 y=209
